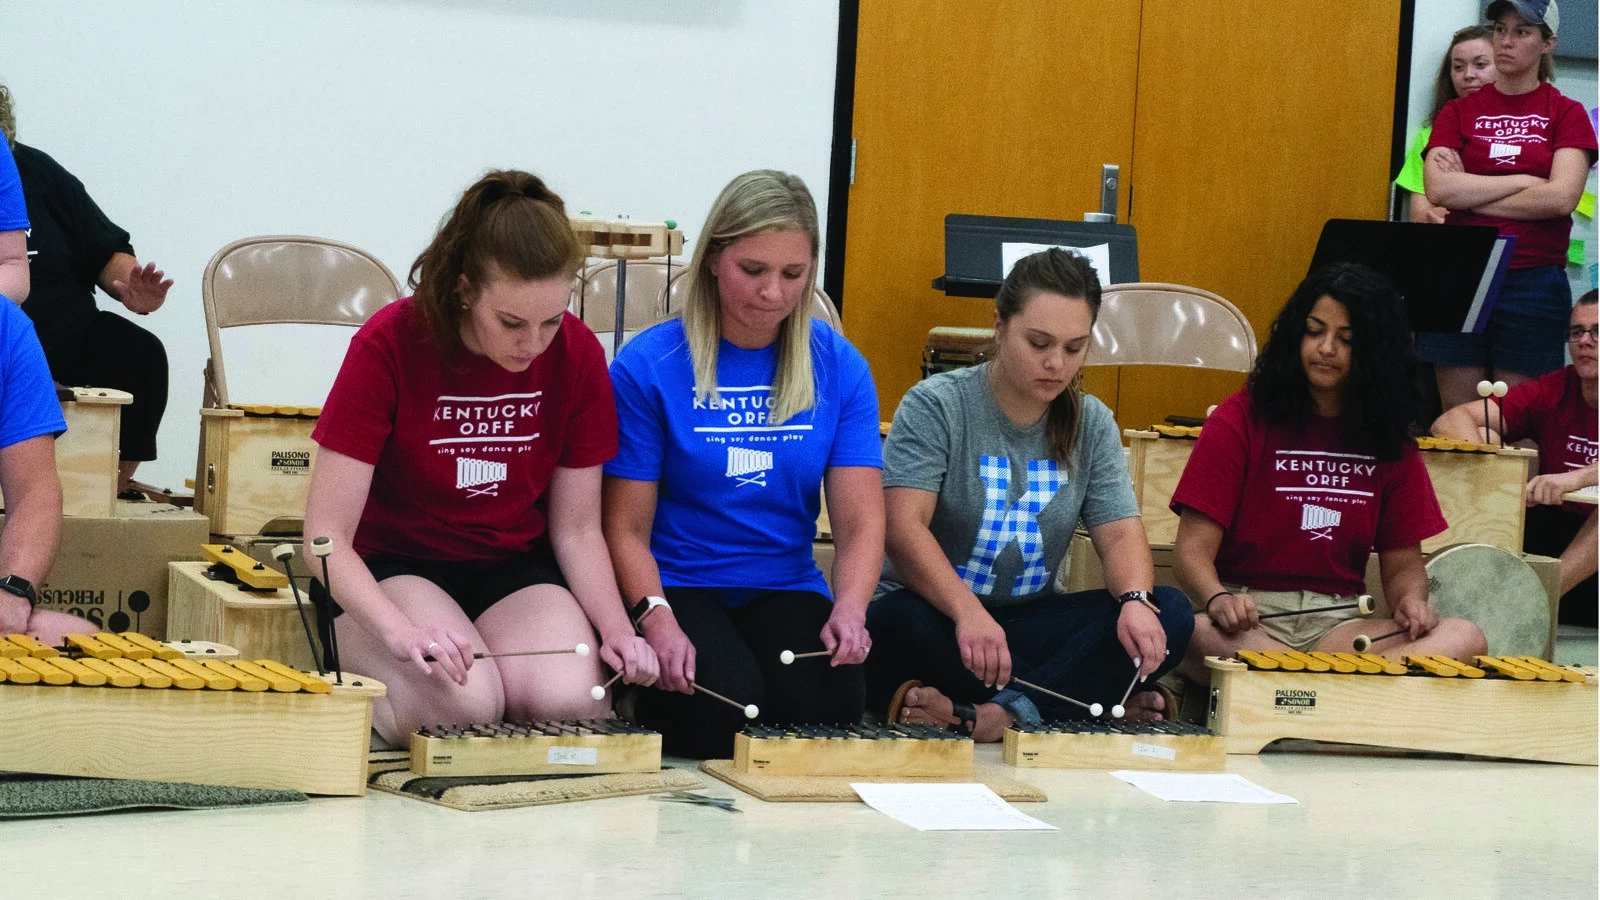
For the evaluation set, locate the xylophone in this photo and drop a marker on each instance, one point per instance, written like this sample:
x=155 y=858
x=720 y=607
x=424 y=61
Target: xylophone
x=902 y=751
x=1102 y=744
x=1496 y=706
x=124 y=706
x=586 y=747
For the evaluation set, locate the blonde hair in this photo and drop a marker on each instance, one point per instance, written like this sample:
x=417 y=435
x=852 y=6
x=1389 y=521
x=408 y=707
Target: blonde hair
x=754 y=203
x=8 y=116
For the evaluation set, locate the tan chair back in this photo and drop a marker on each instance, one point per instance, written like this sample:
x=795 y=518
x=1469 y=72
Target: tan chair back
x=594 y=294
x=1150 y=324
x=288 y=279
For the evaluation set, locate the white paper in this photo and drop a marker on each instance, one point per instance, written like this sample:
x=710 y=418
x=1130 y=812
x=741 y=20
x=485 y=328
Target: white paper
x=947 y=807
x=1206 y=788
x=1099 y=256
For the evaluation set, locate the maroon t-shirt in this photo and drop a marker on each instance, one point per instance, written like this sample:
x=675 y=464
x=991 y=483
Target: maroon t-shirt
x=1519 y=134
x=463 y=450
x=1300 y=509
x=1550 y=411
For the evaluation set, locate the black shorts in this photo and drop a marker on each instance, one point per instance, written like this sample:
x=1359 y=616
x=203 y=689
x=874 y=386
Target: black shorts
x=474 y=586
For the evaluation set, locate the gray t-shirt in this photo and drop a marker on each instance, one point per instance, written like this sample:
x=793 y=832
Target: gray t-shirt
x=1006 y=511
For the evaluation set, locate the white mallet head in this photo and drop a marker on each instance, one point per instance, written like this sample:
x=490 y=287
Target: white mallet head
x=786 y=657
x=1117 y=711
x=581 y=649
x=1500 y=389
x=321 y=546
x=750 y=711
x=1362 y=643
x=1364 y=604
x=282 y=552
x=597 y=692
x=1096 y=709
x=1485 y=388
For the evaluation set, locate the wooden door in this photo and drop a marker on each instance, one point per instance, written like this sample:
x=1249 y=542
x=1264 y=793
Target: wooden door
x=1257 y=122
x=1005 y=108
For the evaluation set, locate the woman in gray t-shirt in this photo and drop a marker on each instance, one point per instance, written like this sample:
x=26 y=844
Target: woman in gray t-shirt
x=987 y=473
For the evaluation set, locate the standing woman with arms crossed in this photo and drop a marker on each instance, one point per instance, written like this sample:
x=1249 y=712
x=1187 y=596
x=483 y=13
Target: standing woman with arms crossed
x=1513 y=155
x=459 y=477
x=1467 y=66
x=987 y=473
x=732 y=417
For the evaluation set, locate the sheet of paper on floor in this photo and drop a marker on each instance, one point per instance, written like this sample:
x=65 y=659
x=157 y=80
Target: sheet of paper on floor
x=1207 y=788
x=947 y=807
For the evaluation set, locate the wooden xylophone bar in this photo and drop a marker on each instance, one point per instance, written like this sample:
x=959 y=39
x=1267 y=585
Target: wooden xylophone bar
x=577 y=747
x=1506 y=707
x=906 y=751
x=1114 y=744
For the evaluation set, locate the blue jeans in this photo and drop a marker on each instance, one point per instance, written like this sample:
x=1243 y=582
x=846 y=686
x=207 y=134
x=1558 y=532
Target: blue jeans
x=1527 y=328
x=1065 y=642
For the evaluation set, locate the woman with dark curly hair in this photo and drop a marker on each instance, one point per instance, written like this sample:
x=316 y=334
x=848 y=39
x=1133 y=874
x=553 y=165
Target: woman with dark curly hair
x=1299 y=477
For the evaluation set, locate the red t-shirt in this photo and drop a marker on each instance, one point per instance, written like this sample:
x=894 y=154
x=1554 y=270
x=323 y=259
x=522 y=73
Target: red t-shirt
x=1301 y=510
x=463 y=451
x=1499 y=134
x=1550 y=411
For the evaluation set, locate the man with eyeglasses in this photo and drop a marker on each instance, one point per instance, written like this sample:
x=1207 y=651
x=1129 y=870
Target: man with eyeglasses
x=1558 y=412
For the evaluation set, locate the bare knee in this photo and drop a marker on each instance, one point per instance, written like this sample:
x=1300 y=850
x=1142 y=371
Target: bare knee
x=1465 y=637
x=564 y=709
x=480 y=700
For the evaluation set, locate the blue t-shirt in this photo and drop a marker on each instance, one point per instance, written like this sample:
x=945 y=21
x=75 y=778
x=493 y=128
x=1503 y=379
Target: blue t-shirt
x=738 y=498
x=13 y=208
x=28 y=404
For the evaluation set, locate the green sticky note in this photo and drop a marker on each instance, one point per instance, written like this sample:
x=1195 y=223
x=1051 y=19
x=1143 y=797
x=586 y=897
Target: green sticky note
x=1575 y=253
x=1586 y=204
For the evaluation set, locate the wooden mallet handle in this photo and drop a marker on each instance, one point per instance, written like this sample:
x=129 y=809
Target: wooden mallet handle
x=1362 y=603
x=1363 y=643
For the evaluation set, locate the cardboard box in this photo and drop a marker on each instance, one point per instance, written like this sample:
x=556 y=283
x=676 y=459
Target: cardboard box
x=112 y=570
x=259 y=624
x=255 y=469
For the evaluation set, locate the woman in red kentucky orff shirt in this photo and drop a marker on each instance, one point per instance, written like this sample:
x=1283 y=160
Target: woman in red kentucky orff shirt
x=459 y=477
x=1299 y=477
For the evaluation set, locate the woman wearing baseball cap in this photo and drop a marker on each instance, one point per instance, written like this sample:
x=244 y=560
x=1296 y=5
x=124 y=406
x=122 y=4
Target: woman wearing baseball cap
x=1513 y=155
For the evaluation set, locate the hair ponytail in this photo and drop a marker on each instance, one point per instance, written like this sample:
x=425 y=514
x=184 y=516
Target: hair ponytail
x=507 y=224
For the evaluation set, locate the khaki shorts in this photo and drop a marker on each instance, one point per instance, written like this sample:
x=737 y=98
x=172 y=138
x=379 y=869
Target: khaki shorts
x=1299 y=632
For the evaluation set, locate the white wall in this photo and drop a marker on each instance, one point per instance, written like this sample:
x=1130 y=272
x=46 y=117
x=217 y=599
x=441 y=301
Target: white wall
x=196 y=123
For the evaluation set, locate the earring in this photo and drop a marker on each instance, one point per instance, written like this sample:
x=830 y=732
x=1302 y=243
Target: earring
x=464 y=305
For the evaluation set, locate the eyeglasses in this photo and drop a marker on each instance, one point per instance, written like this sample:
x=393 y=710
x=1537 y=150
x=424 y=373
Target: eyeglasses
x=1576 y=333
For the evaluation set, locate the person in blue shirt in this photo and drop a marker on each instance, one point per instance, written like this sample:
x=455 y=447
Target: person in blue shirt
x=731 y=418
x=30 y=422
x=13 y=231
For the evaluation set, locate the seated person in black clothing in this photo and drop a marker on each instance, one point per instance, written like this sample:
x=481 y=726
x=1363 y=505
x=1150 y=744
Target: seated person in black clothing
x=73 y=248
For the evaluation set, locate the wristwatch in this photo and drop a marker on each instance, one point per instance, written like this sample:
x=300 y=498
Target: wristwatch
x=21 y=587
x=643 y=608
x=1144 y=597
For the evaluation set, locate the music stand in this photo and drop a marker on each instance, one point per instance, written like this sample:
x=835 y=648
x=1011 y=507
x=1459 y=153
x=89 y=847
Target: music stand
x=1448 y=275
x=974 y=249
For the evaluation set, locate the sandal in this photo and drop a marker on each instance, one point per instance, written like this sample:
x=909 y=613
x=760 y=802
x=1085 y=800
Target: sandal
x=964 y=715
x=898 y=701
